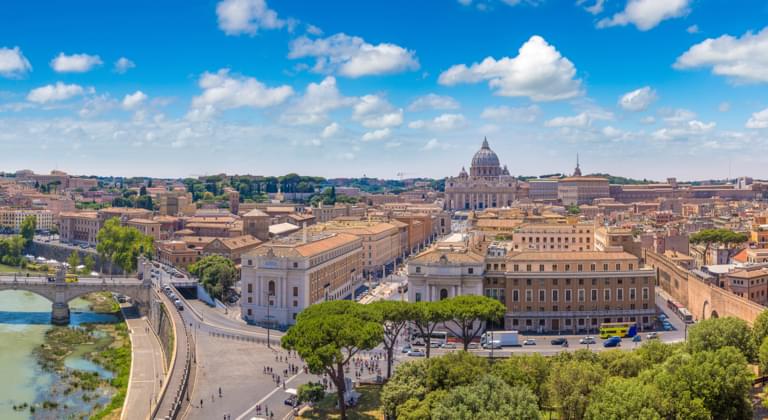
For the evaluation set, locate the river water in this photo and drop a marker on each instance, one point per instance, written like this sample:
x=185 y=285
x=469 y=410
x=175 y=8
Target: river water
x=24 y=319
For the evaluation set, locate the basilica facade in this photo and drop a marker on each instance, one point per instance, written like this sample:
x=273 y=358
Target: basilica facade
x=487 y=185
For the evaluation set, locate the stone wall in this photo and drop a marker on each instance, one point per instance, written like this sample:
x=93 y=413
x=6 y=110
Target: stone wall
x=161 y=322
x=62 y=252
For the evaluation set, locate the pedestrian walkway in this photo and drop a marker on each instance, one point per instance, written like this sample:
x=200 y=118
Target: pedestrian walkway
x=147 y=369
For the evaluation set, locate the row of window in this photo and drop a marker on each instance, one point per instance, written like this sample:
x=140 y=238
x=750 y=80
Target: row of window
x=552 y=239
x=568 y=267
x=567 y=282
x=568 y=294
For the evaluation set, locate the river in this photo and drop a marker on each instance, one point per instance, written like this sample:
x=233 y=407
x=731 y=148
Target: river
x=24 y=320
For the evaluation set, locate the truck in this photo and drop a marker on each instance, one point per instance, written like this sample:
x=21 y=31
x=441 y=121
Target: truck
x=503 y=338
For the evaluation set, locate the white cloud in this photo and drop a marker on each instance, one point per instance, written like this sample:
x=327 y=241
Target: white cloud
x=133 y=100
x=743 y=59
x=330 y=130
x=75 y=63
x=433 y=101
x=758 y=119
x=434 y=144
x=96 y=105
x=54 y=93
x=351 y=56
x=538 y=72
x=693 y=29
x=581 y=120
x=465 y=2
x=13 y=64
x=687 y=130
x=123 y=64
x=373 y=111
x=679 y=115
x=314 y=30
x=318 y=100
x=596 y=8
x=646 y=14
x=377 y=134
x=224 y=91
x=442 y=122
x=724 y=107
x=509 y=114
x=246 y=17
x=638 y=100
x=648 y=120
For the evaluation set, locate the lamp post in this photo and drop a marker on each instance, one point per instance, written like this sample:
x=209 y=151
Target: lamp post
x=269 y=320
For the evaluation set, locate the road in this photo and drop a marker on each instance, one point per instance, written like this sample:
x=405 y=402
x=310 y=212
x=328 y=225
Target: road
x=147 y=367
x=183 y=351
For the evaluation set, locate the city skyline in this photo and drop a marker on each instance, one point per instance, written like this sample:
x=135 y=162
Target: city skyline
x=639 y=88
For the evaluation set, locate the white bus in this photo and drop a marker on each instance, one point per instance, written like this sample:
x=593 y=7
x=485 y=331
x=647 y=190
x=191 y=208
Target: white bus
x=437 y=338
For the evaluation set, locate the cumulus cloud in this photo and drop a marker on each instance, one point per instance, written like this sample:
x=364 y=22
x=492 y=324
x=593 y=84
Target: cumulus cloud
x=123 y=64
x=758 y=119
x=638 y=100
x=433 y=101
x=686 y=130
x=434 y=144
x=224 y=91
x=377 y=134
x=647 y=14
x=351 y=56
x=318 y=100
x=693 y=29
x=13 y=64
x=596 y=8
x=581 y=120
x=238 y=17
x=539 y=72
x=373 y=111
x=54 y=93
x=504 y=113
x=442 y=122
x=741 y=59
x=75 y=63
x=330 y=130
x=134 y=100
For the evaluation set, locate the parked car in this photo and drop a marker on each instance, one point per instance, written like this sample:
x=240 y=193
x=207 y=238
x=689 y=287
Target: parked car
x=614 y=341
x=559 y=341
x=652 y=335
x=449 y=346
x=472 y=345
x=529 y=342
x=406 y=349
x=587 y=340
x=416 y=353
x=637 y=339
x=495 y=344
x=292 y=400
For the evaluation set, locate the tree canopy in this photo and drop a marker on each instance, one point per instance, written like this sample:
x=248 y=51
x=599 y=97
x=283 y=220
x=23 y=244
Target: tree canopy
x=716 y=333
x=468 y=315
x=216 y=273
x=28 y=228
x=122 y=245
x=488 y=398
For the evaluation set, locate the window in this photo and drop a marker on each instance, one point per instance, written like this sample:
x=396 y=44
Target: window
x=418 y=269
x=581 y=295
x=271 y=288
x=631 y=267
x=645 y=293
x=606 y=295
x=619 y=294
x=591 y=267
x=567 y=295
x=529 y=295
x=250 y=299
x=605 y=267
x=295 y=303
x=443 y=294
x=594 y=295
x=470 y=270
x=618 y=267
x=295 y=291
x=528 y=267
x=295 y=265
x=554 y=295
x=541 y=267
x=515 y=295
x=250 y=287
x=418 y=297
x=632 y=294
x=542 y=295
x=554 y=267
x=580 y=267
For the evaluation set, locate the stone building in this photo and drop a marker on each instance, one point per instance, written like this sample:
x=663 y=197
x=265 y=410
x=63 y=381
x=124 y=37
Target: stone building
x=487 y=185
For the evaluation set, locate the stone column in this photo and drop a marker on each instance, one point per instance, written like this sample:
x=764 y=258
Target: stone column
x=60 y=313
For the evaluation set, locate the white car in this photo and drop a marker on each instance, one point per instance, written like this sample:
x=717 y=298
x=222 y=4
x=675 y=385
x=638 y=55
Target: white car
x=449 y=346
x=652 y=335
x=529 y=342
x=587 y=340
x=416 y=353
x=492 y=345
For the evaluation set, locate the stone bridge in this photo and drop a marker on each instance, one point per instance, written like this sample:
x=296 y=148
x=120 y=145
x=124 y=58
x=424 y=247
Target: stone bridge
x=59 y=292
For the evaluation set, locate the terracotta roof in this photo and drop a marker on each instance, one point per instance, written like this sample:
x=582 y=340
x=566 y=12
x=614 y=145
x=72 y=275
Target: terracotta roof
x=309 y=249
x=255 y=213
x=741 y=256
x=144 y=221
x=749 y=274
x=238 y=242
x=434 y=255
x=84 y=214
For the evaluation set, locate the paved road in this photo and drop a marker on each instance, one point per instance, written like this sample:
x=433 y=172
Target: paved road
x=147 y=369
x=177 y=369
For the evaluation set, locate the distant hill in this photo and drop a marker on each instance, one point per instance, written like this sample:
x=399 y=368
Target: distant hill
x=623 y=180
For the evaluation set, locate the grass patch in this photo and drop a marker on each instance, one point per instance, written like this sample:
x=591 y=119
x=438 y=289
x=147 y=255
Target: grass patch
x=118 y=359
x=11 y=269
x=368 y=408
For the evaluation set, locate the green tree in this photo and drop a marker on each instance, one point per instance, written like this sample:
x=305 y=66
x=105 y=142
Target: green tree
x=89 y=263
x=719 y=379
x=531 y=371
x=760 y=328
x=570 y=385
x=73 y=260
x=394 y=317
x=122 y=245
x=329 y=334
x=28 y=228
x=469 y=314
x=427 y=316
x=216 y=273
x=763 y=357
x=311 y=392
x=716 y=333
x=488 y=398
x=708 y=237
x=622 y=363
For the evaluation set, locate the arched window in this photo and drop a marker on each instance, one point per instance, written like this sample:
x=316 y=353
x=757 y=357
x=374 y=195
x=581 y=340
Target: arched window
x=443 y=294
x=271 y=288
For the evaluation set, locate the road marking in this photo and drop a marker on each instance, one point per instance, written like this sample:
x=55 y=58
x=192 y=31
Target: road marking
x=253 y=407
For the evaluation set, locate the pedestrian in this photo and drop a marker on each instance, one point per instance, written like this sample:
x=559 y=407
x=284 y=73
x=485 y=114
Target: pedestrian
x=201 y=403
x=219 y=392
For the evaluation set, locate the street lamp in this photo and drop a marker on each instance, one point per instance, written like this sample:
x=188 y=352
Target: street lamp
x=269 y=320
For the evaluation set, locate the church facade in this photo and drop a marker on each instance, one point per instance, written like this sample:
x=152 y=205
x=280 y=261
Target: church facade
x=487 y=185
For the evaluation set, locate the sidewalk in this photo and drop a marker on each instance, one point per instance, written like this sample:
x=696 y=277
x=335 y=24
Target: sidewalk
x=147 y=369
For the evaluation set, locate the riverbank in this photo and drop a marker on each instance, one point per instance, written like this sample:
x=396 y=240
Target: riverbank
x=91 y=363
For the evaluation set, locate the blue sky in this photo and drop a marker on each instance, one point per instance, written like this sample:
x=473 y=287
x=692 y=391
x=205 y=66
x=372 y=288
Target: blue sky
x=642 y=88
